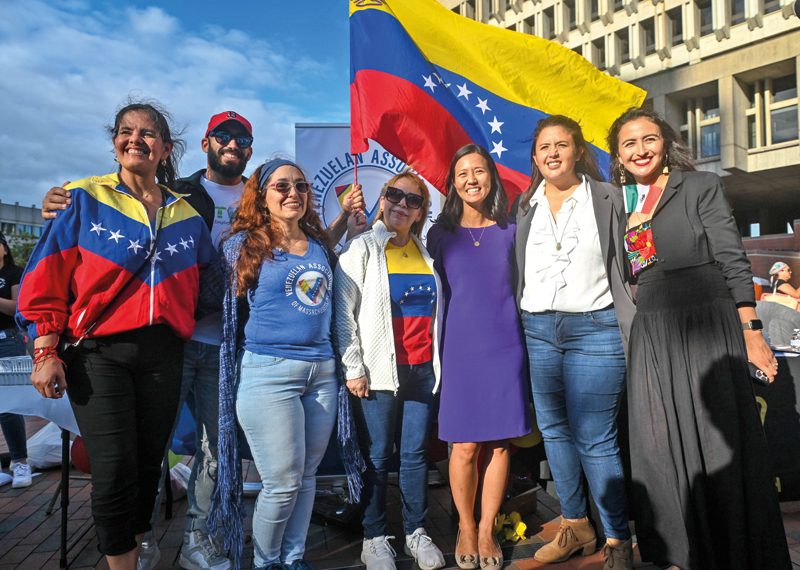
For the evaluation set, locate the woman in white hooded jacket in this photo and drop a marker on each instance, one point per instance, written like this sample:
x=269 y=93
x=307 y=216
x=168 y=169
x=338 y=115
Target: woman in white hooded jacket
x=386 y=304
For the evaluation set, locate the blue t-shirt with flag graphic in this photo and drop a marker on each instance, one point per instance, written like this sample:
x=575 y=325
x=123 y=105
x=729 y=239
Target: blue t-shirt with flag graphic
x=290 y=309
x=413 y=292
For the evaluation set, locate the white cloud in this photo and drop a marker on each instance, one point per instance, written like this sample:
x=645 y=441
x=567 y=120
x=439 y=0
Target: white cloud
x=66 y=67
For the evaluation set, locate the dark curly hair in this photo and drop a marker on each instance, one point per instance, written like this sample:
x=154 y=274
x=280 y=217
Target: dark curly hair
x=676 y=153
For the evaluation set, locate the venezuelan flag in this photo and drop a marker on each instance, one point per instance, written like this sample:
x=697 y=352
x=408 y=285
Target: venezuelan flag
x=425 y=81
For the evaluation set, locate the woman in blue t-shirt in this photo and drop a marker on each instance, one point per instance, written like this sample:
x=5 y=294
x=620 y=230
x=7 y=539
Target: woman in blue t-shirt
x=285 y=401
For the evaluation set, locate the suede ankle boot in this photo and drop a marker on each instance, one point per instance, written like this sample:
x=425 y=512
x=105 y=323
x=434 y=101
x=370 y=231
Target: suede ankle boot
x=618 y=557
x=571 y=537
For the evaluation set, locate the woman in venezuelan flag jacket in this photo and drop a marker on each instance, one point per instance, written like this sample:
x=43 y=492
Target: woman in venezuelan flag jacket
x=118 y=274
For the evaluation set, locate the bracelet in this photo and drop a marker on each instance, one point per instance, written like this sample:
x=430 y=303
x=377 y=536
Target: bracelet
x=44 y=353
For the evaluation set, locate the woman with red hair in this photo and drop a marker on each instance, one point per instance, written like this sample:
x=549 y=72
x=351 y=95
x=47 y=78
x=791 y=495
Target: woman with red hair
x=284 y=396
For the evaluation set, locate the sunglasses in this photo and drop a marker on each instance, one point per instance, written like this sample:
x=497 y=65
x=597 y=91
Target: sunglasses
x=224 y=137
x=301 y=186
x=395 y=196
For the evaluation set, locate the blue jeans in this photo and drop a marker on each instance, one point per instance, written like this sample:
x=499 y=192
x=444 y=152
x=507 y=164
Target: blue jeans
x=13 y=425
x=200 y=389
x=287 y=409
x=577 y=370
x=385 y=419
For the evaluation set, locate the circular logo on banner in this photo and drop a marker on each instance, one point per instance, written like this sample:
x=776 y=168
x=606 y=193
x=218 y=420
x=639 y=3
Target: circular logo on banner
x=335 y=178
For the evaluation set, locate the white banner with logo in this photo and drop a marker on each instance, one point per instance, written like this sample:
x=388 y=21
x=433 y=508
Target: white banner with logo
x=323 y=152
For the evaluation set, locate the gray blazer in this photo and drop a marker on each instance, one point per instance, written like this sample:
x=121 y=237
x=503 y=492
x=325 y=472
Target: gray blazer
x=608 y=211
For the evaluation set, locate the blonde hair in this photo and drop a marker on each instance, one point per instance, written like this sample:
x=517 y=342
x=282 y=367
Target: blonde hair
x=416 y=227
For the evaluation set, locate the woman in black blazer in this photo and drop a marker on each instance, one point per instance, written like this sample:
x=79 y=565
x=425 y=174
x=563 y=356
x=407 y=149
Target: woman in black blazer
x=703 y=494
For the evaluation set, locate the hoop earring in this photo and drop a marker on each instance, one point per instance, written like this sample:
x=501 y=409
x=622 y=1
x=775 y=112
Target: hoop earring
x=665 y=170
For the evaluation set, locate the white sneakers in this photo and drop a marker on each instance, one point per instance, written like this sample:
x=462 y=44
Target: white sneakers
x=22 y=475
x=377 y=553
x=200 y=553
x=420 y=546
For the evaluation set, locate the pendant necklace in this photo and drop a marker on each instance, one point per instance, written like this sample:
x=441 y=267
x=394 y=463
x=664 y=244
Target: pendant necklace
x=476 y=242
x=553 y=229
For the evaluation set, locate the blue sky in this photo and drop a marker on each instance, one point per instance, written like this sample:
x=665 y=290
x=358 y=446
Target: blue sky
x=67 y=65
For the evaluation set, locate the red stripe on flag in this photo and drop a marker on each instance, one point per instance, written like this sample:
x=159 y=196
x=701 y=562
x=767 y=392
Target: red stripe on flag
x=394 y=112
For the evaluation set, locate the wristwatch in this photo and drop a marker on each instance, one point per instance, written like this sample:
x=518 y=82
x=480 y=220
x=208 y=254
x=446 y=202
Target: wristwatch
x=753 y=325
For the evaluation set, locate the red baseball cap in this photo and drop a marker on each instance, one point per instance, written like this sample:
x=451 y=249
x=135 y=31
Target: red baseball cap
x=226 y=116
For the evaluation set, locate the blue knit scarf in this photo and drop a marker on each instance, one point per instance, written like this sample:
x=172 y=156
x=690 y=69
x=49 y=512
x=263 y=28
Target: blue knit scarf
x=226 y=517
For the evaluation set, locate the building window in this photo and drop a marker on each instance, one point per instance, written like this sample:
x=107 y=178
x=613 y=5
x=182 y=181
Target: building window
x=771 y=6
x=529 y=25
x=599 y=53
x=469 y=9
x=676 y=25
x=649 y=36
x=772 y=115
x=737 y=11
x=701 y=131
x=512 y=27
x=571 y=21
x=624 y=48
x=548 y=17
x=706 y=23
x=617 y=5
x=594 y=7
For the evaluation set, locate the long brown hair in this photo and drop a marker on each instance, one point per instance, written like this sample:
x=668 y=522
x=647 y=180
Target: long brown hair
x=416 y=227
x=587 y=164
x=676 y=153
x=262 y=235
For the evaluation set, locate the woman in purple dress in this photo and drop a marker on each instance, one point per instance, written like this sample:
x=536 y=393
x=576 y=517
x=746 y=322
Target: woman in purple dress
x=484 y=399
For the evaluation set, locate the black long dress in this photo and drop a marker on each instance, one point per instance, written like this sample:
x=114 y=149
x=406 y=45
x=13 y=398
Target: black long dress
x=703 y=492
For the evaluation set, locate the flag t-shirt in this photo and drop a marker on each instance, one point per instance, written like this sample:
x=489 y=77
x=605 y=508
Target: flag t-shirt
x=413 y=292
x=290 y=308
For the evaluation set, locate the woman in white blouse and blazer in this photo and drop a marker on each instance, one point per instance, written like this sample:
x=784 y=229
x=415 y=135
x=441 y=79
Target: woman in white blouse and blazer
x=576 y=312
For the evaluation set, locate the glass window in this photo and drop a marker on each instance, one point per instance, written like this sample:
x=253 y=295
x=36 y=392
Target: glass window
x=547 y=23
x=784 y=124
x=572 y=22
x=706 y=24
x=624 y=51
x=710 y=106
x=617 y=5
x=752 y=131
x=676 y=21
x=529 y=25
x=737 y=11
x=709 y=140
x=648 y=27
x=771 y=6
x=599 y=53
x=594 y=7
x=784 y=88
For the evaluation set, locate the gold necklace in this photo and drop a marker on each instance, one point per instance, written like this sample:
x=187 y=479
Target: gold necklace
x=476 y=242
x=563 y=231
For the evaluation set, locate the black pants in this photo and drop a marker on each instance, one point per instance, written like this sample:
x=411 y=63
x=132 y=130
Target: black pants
x=124 y=390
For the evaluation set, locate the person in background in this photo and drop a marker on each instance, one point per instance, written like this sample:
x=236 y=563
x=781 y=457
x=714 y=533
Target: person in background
x=387 y=335
x=12 y=344
x=574 y=299
x=485 y=397
x=779 y=276
x=284 y=396
x=702 y=492
x=117 y=274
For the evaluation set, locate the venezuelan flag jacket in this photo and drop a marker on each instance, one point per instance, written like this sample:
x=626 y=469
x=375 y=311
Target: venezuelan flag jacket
x=89 y=252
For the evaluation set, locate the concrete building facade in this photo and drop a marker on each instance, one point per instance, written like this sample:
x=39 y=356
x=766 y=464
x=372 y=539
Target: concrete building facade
x=20 y=223
x=723 y=72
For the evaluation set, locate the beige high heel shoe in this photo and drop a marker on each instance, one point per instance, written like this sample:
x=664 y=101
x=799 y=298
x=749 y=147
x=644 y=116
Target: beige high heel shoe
x=465 y=561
